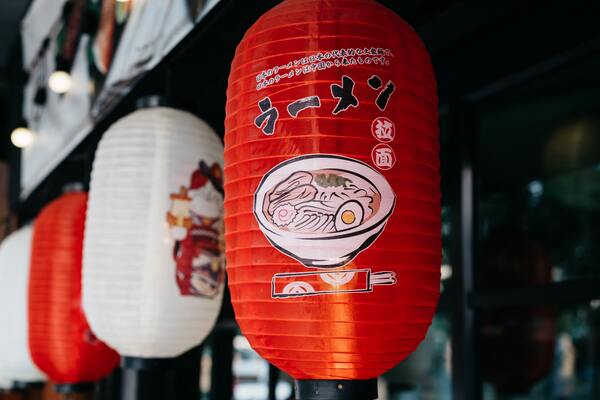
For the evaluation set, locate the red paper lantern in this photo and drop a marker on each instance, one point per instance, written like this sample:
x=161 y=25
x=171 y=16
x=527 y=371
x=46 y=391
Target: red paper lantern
x=61 y=342
x=332 y=206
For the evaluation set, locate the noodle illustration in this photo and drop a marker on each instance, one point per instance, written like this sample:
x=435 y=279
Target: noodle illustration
x=321 y=201
x=323 y=209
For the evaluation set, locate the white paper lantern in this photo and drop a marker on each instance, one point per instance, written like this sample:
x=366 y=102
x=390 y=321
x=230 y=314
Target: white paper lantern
x=15 y=360
x=5 y=384
x=153 y=250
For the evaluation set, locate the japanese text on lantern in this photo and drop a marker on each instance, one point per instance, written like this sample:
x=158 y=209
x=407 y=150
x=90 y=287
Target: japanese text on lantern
x=322 y=61
x=343 y=92
x=382 y=128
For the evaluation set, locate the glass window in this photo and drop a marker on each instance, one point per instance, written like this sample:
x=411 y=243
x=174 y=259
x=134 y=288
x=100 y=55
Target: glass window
x=540 y=224
x=541 y=352
x=540 y=170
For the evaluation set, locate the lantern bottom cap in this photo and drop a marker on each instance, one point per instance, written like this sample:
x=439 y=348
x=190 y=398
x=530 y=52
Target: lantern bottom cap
x=81 y=387
x=336 y=389
x=139 y=363
x=28 y=385
x=18 y=386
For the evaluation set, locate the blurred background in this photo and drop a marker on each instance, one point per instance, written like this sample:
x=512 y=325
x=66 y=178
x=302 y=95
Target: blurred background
x=519 y=86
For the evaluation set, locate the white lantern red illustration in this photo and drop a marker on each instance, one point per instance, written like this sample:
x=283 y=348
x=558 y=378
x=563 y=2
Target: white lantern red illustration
x=153 y=263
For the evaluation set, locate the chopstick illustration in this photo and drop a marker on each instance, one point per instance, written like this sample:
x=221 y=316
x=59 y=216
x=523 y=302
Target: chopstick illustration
x=383 y=278
x=320 y=283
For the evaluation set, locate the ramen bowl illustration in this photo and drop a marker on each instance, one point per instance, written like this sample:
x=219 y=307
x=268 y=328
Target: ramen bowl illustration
x=323 y=209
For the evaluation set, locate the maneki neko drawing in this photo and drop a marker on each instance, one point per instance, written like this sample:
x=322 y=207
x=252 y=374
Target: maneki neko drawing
x=196 y=224
x=323 y=210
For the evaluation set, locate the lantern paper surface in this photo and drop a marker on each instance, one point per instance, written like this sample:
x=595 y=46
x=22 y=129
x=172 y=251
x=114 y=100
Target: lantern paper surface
x=332 y=210
x=153 y=263
x=61 y=342
x=5 y=384
x=15 y=359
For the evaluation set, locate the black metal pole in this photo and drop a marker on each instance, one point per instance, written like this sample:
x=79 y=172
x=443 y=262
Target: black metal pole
x=222 y=373
x=188 y=374
x=463 y=144
x=221 y=378
x=143 y=381
x=162 y=379
x=273 y=378
x=109 y=388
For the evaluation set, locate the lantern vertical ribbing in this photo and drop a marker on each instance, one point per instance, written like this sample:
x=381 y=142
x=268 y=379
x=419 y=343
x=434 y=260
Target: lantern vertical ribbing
x=60 y=340
x=332 y=208
x=153 y=264
x=15 y=360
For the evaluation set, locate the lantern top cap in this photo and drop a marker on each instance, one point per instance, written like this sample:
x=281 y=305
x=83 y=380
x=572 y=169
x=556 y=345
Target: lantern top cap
x=151 y=101
x=73 y=187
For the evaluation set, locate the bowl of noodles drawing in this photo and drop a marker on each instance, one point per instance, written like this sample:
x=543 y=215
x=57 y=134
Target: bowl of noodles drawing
x=323 y=209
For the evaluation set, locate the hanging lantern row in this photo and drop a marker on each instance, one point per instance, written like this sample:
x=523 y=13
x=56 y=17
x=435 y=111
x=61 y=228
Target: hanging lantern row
x=149 y=275
x=332 y=207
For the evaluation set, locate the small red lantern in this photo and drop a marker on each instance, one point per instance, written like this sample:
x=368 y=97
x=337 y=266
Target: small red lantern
x=60 y=340
x=332 y=206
